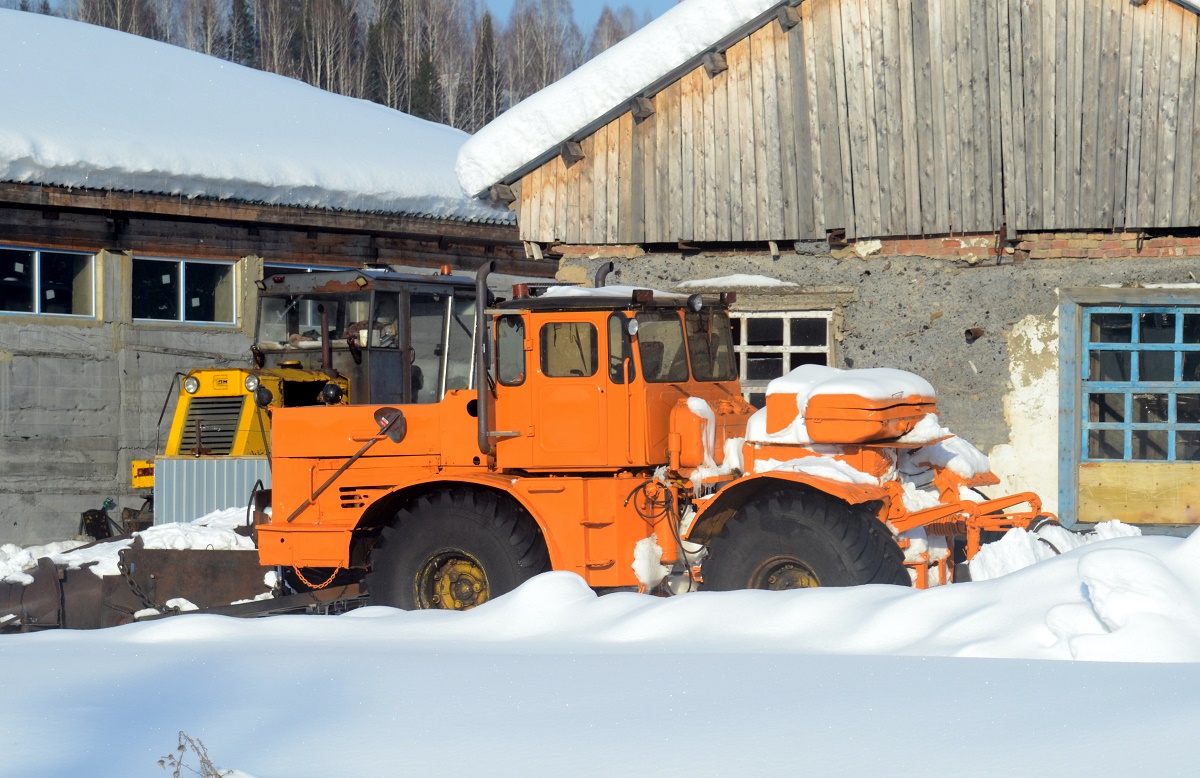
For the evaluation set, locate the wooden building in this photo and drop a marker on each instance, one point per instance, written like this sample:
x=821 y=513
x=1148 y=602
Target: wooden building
x=1001 y=195
x=877 y=118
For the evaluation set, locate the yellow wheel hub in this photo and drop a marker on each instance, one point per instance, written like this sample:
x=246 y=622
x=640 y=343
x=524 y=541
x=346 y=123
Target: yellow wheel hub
x=452 y=580
x=779 y=573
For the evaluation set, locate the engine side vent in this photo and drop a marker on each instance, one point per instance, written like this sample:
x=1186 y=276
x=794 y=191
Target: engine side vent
x=217 y=420
x=358 y=496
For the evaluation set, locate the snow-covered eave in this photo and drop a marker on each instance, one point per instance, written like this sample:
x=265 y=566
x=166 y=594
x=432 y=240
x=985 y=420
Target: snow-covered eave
x=103 y=199
x=648 y=91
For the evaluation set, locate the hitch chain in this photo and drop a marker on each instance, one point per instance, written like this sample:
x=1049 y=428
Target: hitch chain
x=141 y=595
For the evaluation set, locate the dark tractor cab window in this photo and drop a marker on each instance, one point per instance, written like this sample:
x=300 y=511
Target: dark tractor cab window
x=710 y=345
x=569 y=349
x=660 y=341
x=620 y=351
x=510 y=350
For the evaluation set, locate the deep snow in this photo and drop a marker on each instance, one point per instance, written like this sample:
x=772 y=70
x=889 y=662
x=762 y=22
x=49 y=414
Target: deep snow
x=552 y=679
x=85 y=106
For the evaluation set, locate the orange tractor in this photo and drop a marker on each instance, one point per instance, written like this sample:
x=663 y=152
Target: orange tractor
x=609 y=437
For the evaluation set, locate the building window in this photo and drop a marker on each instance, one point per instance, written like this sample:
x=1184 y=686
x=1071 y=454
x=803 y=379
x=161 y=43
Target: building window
x=769 y=344
x=53 y=283
x=1141 y=384
x=195 y=291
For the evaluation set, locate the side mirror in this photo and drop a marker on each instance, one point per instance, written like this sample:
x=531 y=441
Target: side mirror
x=391 y=423
x=263 y=397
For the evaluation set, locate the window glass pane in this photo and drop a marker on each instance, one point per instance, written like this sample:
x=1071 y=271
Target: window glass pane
x=1150 y=408
x=66 y=284
x=1156 y=366
x=1187 y=408
x=709 y=345
x=758 y=400
x=458 y=373
x=660 y=344
x=1106 y=444
x=1109 y=366
x=155 y=289
x=620 y=351
x=16 y=281
x=1191 y=366
x=808 y=332
x=1111 y=327
x=208 y=292
x=428 y=313
x=1106 y=407
x=764 y=332
x=1150 y=444
x=569 y=350
x=510 y=350
x=1187 y=446
x=808 y=359
x=763 y=367
x=1156 y=327
x=735 y=326
x=1191 y=328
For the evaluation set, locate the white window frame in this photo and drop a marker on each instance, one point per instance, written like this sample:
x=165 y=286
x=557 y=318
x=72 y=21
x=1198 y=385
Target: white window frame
x=742 y=349
x=36 y=287
x=182 y=263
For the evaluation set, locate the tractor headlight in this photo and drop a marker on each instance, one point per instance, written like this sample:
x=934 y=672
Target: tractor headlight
x=331 y=394
x=631 y=327
x=251 y=383
x=191 y=384
x=695 y=303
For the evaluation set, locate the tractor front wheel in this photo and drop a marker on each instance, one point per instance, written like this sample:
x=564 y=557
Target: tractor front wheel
x=455 y=551
x=792 y=539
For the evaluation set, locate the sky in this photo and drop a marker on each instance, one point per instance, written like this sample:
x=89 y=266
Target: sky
x=588 y=11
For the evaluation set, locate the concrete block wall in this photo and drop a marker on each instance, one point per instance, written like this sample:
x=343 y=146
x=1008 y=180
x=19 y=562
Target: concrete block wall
x=79 y=399
x=999 y=389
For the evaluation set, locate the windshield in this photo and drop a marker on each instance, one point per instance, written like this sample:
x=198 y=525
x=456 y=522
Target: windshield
x=710 y=344
x=660 y=342
x=294 y=321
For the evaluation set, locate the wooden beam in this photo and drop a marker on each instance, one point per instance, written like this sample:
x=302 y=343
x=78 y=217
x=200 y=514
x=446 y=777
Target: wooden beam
x=788 y=18
x=503 y=194
x=56 y=198
x=571 y=152
x=641 y=108
x=714 y=63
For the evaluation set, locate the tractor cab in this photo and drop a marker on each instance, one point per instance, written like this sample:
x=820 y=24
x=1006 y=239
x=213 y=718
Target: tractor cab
x=392 y=337
x=604 y=379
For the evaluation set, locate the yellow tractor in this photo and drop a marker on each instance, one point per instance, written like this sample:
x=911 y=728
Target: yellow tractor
x=339 y=337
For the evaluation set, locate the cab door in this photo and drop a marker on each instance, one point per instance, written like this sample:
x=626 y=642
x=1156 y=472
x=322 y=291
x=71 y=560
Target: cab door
x=570 y=396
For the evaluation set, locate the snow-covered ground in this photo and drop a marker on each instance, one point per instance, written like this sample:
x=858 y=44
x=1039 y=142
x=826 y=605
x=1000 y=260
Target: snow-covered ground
x=85 y=106
x=1086 y=663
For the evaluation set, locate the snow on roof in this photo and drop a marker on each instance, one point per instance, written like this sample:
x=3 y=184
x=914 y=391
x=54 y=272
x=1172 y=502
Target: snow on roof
x=86 y=106
x=551 y=116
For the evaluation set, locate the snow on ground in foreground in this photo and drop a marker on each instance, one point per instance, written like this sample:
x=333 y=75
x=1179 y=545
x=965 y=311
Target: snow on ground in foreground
x=553 y=680
x=86 y=106
x=213 y=531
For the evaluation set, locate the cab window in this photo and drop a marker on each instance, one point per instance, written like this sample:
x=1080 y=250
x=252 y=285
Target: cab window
x=710 y=345
x=660 y=342
x=569 y=350
x=510 y=350
x=620 y=351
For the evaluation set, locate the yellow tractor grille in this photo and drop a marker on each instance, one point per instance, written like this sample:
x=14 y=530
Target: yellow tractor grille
x=213 y=422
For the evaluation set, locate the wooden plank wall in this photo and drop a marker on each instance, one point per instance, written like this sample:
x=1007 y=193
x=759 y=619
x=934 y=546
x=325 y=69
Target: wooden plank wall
x=902 y=117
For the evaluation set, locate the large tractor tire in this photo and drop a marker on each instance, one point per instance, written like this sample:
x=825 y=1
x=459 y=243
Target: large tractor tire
x=792 y=539
x=455 y=550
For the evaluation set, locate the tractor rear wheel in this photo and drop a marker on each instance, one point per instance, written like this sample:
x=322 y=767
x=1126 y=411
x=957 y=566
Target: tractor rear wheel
x=791 y=539
x=455 y=551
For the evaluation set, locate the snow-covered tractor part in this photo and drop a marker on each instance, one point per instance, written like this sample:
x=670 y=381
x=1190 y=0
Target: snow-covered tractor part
x=609 y=437
x=329 y=337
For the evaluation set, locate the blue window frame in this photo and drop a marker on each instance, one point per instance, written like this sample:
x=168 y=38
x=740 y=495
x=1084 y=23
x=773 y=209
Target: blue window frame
x=1140 y=384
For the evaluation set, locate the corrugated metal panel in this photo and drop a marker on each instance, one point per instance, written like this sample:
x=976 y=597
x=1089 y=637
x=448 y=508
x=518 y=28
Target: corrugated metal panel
x=186 y=488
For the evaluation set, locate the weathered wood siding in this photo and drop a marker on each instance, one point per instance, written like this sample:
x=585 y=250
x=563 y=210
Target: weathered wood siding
x=901 y=117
